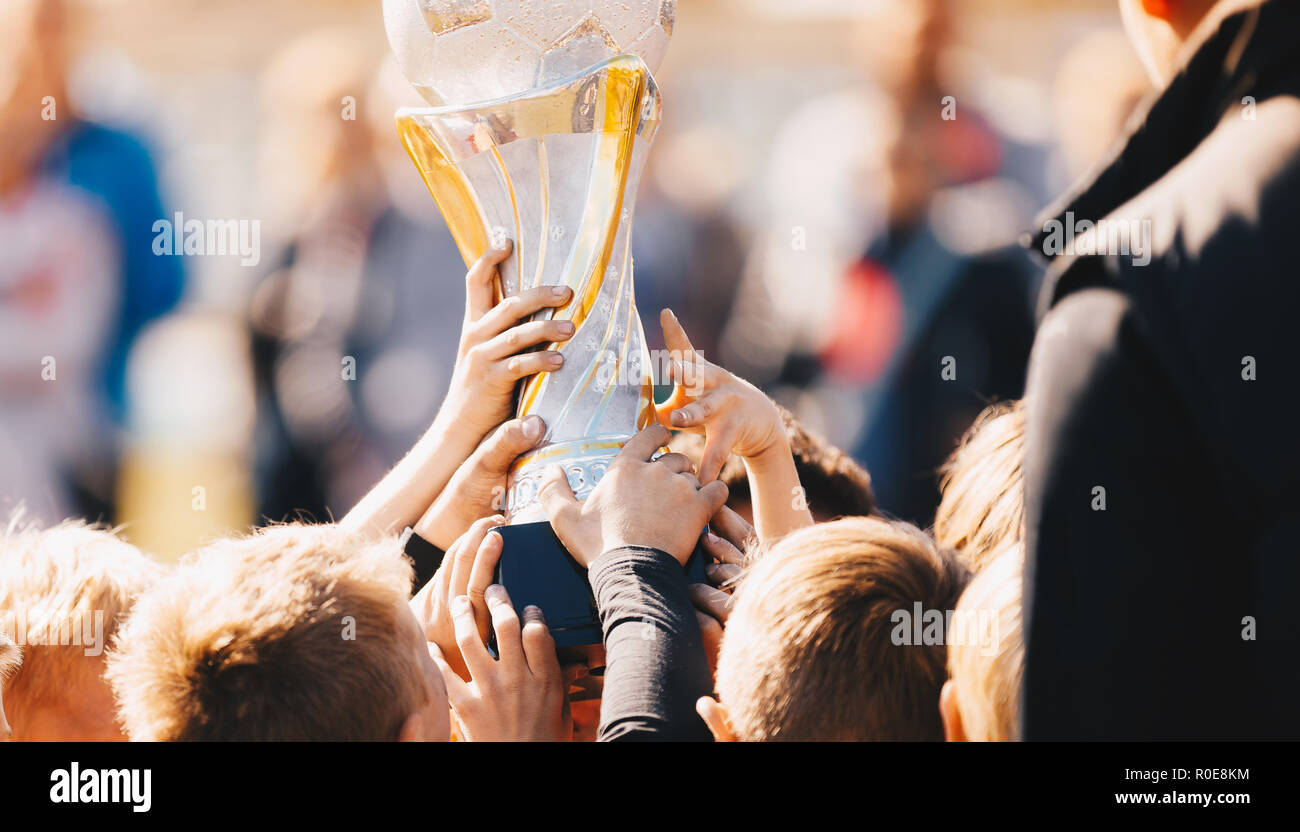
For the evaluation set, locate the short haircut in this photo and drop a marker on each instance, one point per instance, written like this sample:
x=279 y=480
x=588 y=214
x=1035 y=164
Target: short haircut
x=986 y=676
x=808 y=652
x=54 y=584
x=983 y=505
x=297 y=632
x=834 y=484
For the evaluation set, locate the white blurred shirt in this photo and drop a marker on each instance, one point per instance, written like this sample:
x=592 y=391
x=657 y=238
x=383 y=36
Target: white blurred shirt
x=60 y=289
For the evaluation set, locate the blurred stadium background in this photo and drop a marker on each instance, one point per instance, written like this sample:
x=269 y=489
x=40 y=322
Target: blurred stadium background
x=816 y=223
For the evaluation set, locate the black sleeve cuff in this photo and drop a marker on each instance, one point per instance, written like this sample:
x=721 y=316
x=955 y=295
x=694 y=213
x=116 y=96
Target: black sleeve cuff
x=424 y=556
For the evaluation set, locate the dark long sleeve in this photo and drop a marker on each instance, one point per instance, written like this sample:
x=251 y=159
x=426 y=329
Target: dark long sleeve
x=656 y=667
x=424 y=556
x=1132 y=609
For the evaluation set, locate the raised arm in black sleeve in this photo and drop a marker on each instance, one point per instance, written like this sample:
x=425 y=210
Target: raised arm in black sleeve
x=656 y=667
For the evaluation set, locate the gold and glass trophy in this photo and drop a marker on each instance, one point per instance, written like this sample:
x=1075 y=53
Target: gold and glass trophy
x=543 y=113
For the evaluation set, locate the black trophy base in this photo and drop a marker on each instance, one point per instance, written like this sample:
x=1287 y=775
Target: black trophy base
x=537 y=570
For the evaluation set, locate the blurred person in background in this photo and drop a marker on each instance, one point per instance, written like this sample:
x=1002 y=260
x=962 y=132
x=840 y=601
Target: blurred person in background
x=78 y=278
x=355 y=334
x=918 y=313
x=687 y=248
x=955 y=296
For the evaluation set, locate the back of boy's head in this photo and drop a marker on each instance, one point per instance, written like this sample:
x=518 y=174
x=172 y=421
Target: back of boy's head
x=986 y=657
x=809 y=653
x=295 y=633
x=834 y=484
x=64 y=593
x=983 y=505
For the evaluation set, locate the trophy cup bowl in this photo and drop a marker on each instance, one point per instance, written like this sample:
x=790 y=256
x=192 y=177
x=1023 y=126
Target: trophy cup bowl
x=551 y=161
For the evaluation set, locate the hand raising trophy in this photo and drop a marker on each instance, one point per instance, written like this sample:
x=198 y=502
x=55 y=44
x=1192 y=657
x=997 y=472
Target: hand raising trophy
x=544 y=113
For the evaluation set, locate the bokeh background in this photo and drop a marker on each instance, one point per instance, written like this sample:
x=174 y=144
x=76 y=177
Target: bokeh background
x=824 y=219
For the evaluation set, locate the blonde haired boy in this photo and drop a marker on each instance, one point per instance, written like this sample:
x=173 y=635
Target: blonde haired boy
x=983 y=504
x=981 y=700
x=64 y=592
x=294 y=633
x=809 y=651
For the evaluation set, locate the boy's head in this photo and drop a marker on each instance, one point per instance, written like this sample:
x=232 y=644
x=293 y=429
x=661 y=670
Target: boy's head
x=10 y=658
x=981 y=702
x=64 y=592
x=982 y=509
x=295 y=633
x=833 y=483
x=811 y=649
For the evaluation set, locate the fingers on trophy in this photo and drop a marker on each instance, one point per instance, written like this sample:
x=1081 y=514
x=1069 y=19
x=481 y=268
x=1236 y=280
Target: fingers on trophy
x=543 y=115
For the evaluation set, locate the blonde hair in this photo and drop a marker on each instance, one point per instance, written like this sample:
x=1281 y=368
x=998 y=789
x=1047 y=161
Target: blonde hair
x=983 y=504
x=55 y=584
x=294 y=633
x=986 y=665
x=808 y=651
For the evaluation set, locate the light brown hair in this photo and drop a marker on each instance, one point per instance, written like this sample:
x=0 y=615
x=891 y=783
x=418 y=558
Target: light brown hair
x=295 y=633
x=808 y=652
x=983 y=505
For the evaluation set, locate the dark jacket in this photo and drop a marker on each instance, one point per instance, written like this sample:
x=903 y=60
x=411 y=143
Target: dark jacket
x=1168 y=604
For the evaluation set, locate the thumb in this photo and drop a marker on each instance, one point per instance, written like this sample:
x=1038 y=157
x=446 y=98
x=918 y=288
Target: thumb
x=500 y=450
x=555 y=494
x=715 y=495
x=664 y=410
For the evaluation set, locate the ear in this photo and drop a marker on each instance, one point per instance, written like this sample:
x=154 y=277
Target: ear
x=714 y=714
x=953 y=731
x=412 y=730
x=1163 y=9
x=1153 y=26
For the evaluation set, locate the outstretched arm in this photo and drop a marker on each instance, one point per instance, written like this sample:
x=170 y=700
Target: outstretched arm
x=493 y=356
x=735 y=417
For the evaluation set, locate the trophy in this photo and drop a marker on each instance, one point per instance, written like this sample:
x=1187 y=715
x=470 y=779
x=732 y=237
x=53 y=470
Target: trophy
x=544 y=111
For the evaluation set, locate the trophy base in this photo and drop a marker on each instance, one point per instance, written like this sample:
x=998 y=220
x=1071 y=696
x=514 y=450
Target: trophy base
x=537 y=570
x=584 y=462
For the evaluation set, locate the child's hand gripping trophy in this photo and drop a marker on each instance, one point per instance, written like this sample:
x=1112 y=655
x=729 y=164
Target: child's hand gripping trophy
x=496 y=351
x=736 y=418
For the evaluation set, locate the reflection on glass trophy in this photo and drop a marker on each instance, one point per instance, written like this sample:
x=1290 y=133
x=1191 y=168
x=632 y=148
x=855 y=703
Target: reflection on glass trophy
x=544 y=113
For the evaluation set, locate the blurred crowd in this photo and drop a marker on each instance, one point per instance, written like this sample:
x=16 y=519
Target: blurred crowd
x=843 y=265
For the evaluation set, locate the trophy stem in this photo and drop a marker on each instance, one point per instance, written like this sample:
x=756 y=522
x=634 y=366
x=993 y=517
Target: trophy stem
x=557 y=170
